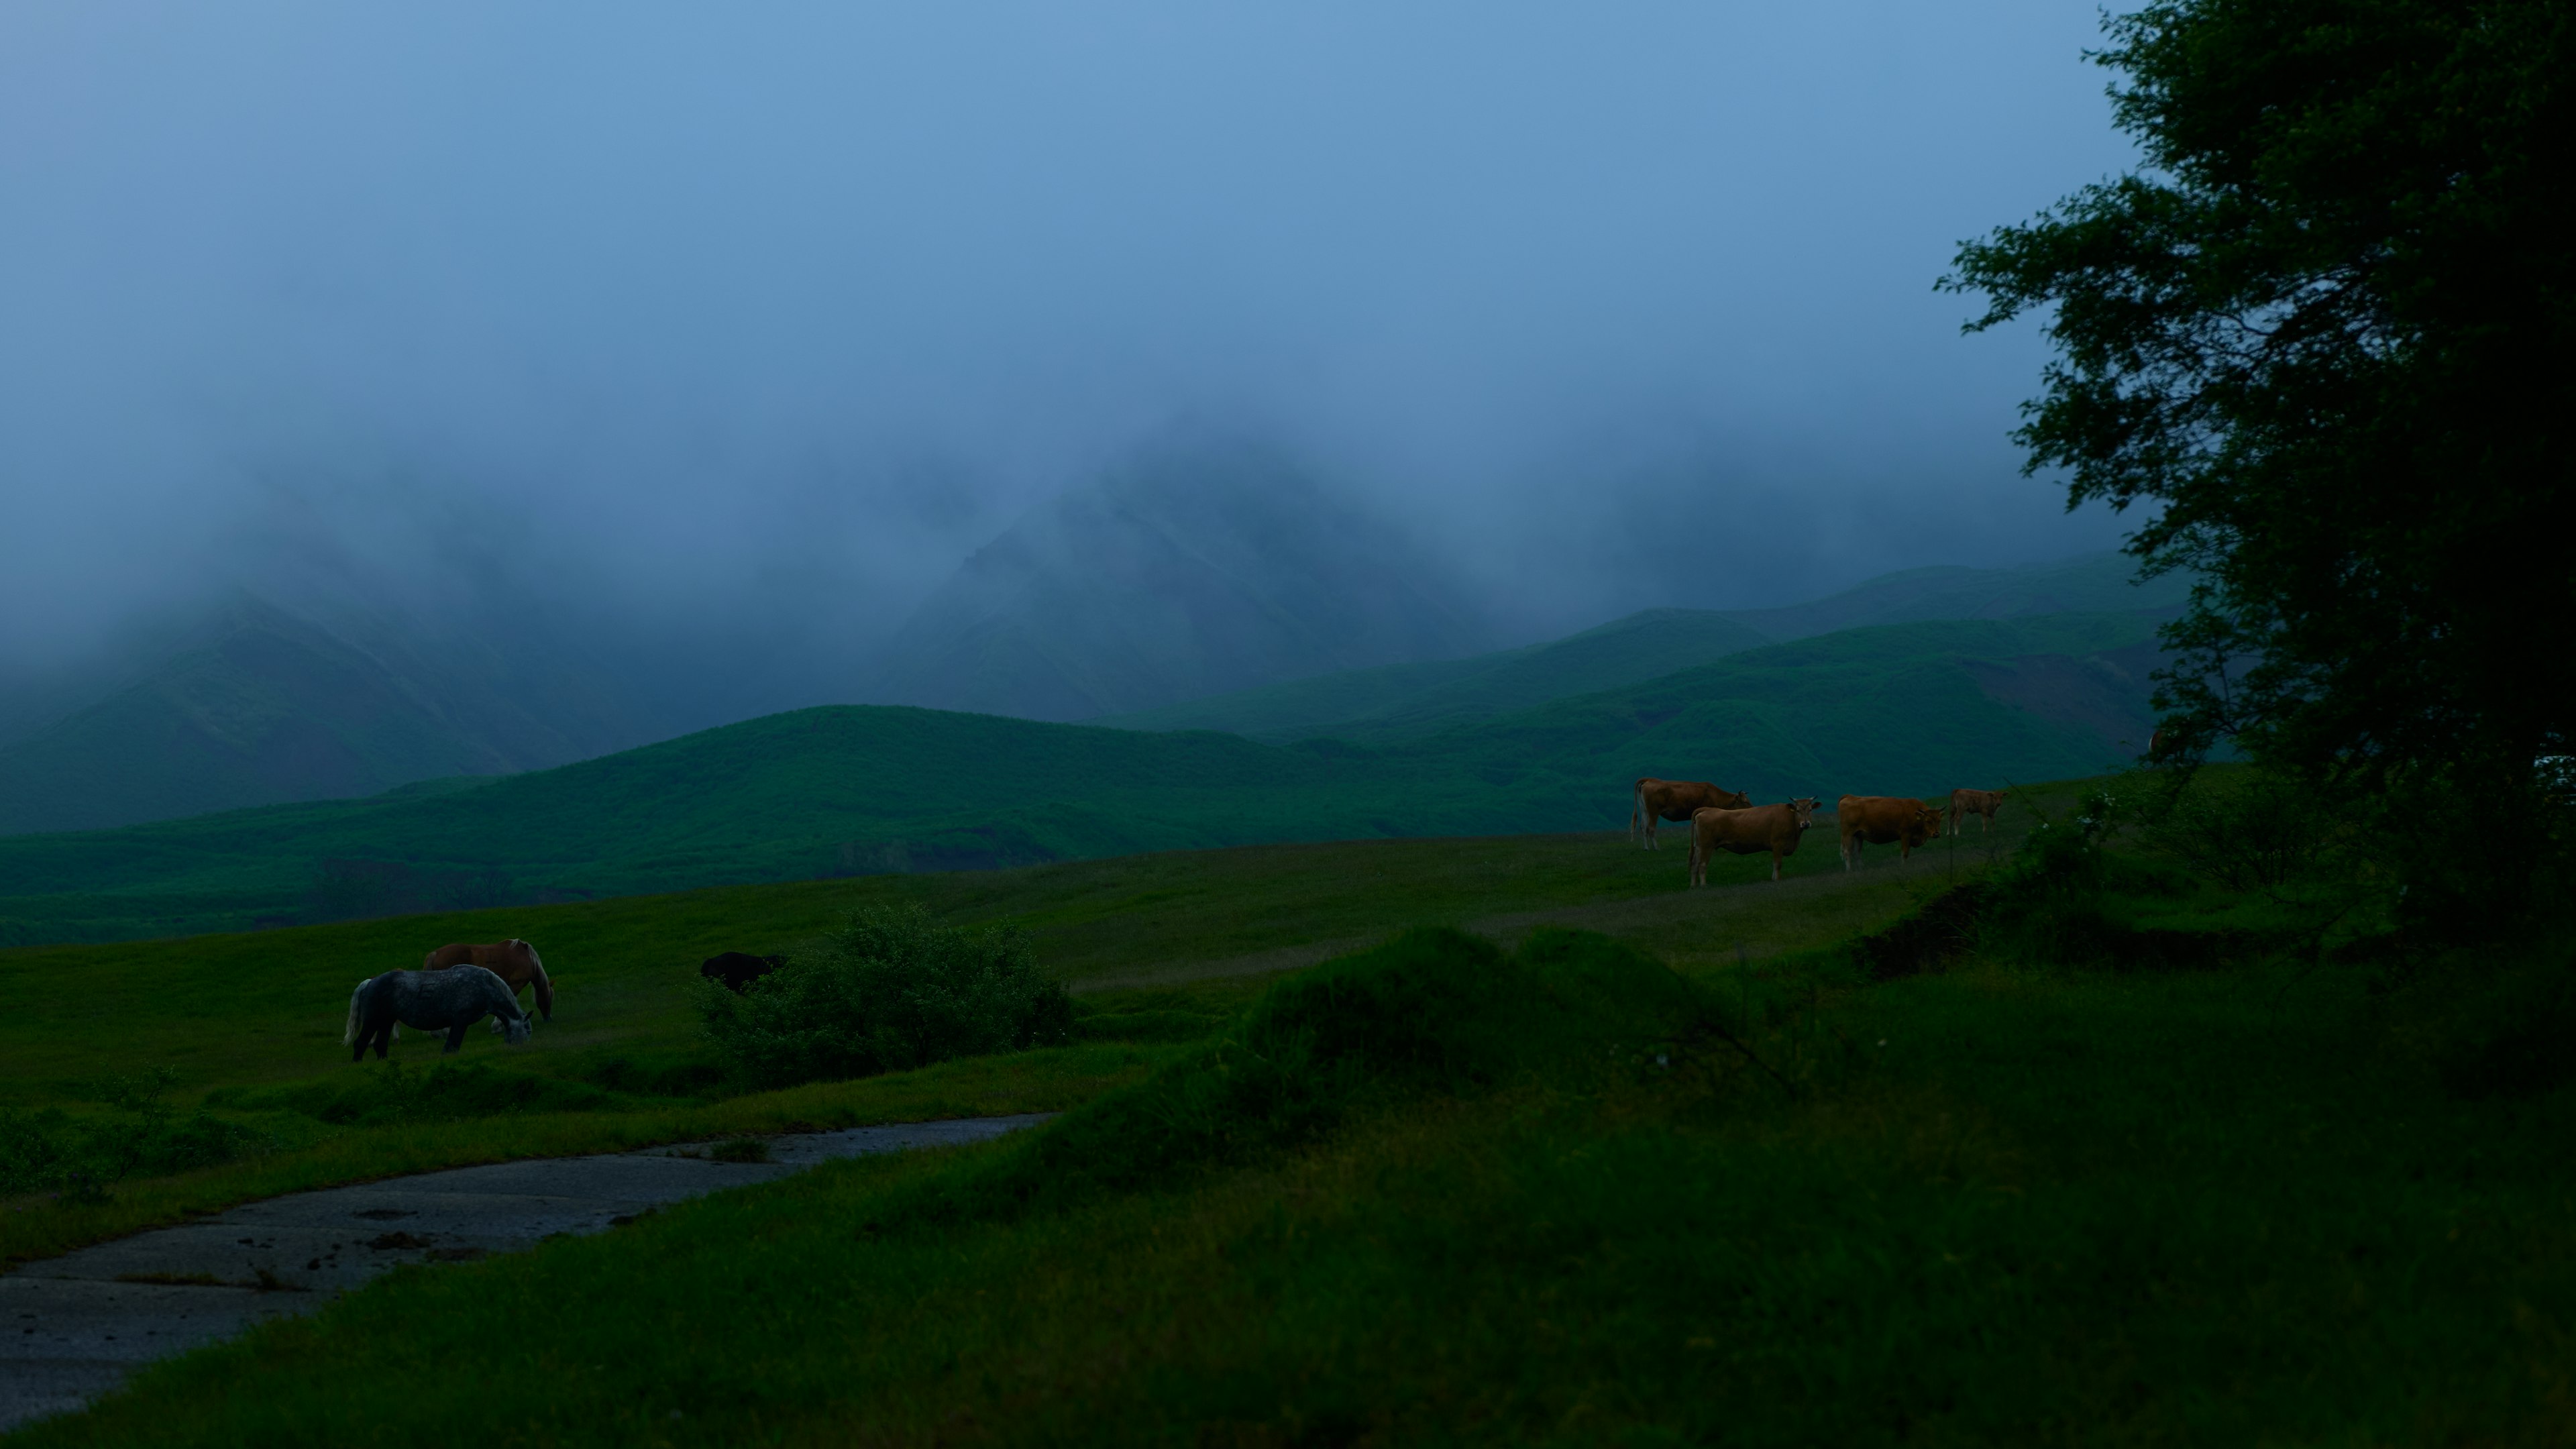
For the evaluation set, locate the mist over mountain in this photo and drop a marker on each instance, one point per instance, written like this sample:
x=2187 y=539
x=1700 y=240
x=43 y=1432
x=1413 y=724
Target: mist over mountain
x=1408 y=701
x=1200 y=567
x=252 y=704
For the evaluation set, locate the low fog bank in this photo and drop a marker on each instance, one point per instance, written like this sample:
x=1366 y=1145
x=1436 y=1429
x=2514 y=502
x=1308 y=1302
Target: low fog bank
x=692 y=352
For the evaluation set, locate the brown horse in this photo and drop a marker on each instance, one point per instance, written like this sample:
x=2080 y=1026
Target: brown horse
x=514 y=961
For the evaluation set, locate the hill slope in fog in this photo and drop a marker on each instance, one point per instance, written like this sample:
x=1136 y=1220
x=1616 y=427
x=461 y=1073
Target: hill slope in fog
x=1196 y=570
x=257 y=706
x=1408 y=701
x=1913 y=708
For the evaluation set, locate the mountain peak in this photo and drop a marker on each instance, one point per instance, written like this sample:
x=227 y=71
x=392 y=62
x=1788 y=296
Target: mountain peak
x=1196 y=568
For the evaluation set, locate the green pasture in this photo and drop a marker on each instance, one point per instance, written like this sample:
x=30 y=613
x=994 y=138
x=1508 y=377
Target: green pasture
x=1528 y=1184
x=249 y=1024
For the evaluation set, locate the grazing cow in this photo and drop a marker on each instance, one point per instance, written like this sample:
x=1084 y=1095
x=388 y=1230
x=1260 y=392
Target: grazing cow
x=514 y=961
x=1774 y=828
x=1675 y=800
x=1981 y=803
x=447 y=1000
x=738 y=969
x=1878 y=819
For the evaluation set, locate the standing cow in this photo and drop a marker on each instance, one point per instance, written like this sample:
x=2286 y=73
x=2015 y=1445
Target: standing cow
x=1981 y=803
x=1774 y=828
x=1675 y=800
x=1878 y=819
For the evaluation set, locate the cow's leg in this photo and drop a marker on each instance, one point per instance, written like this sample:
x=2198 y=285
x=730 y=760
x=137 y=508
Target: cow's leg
x=455 y=1039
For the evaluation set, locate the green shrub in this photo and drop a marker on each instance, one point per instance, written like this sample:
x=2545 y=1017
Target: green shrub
x=2247 y=829
x=2068 y=899
x=889 y=991
x=1432 y=1012
x=141 y=1137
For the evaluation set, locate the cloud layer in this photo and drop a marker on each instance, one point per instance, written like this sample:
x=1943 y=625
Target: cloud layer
x=702 y=323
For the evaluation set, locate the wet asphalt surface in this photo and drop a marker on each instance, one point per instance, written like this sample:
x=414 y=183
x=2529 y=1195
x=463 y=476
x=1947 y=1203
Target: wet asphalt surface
x=72 y=1328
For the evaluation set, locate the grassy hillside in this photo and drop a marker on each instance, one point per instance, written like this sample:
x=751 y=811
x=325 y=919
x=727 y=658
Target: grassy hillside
x=2103 y=583
x=1907 y=710
x=1528 y=1185
x=1408 y=701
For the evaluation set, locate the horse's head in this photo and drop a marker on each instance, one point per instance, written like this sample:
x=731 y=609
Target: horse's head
x=518 y=1029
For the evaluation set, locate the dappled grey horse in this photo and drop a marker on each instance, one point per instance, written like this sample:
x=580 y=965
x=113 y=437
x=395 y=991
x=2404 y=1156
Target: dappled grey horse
x=449 y=1001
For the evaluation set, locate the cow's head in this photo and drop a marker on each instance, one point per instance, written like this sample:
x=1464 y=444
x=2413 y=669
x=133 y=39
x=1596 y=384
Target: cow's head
x=1733 y=800
x=1804 y=808
x=1925 y=825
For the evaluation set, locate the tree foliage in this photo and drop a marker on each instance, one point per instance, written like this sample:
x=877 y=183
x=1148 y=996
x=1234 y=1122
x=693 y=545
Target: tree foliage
x=2322 y=333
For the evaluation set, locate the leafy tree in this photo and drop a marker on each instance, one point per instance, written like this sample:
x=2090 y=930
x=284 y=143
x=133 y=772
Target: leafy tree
x=2324 y=334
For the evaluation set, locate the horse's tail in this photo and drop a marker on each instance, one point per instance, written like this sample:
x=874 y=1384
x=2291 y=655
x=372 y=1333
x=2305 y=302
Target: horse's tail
x=545 y=987
x=357 y=1011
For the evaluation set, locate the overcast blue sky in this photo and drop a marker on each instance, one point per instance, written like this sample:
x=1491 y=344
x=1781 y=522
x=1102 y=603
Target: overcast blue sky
x=1627 y=303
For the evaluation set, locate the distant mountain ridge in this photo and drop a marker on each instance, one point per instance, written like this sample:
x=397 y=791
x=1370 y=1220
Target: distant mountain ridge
x=1205 y=587
x=1198 y=568
x=1399 y=702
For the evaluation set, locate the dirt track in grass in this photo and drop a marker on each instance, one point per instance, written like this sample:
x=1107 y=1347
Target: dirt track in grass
x=73 y=1327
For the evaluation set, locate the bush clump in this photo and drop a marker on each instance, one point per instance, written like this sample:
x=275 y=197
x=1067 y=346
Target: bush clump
x=889 y=991
x=1433 y=1012
x=141 y=1137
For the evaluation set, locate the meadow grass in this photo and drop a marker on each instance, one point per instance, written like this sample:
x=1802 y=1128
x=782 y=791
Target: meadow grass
x=1435 y=1193
x=1161 y=949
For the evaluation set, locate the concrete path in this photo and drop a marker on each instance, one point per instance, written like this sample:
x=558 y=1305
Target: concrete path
x=73 y=1327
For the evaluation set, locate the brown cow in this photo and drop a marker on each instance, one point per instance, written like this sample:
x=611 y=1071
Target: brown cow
x=1675 y=800
x=514 y=961
x=1878 y=819
x=1774 y=828
x=1981 y=803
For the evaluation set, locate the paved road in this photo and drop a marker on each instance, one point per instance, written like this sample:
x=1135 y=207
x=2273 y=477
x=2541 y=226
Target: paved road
x=73 y=1327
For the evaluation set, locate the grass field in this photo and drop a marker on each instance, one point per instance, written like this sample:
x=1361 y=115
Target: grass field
x=1525 y=1184
x=1917 y=708
x=250 y=1023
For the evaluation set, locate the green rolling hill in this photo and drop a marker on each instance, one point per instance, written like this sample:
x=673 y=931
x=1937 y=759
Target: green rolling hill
x=1409 y=701
x=1915 y=708
x=1406 y=701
